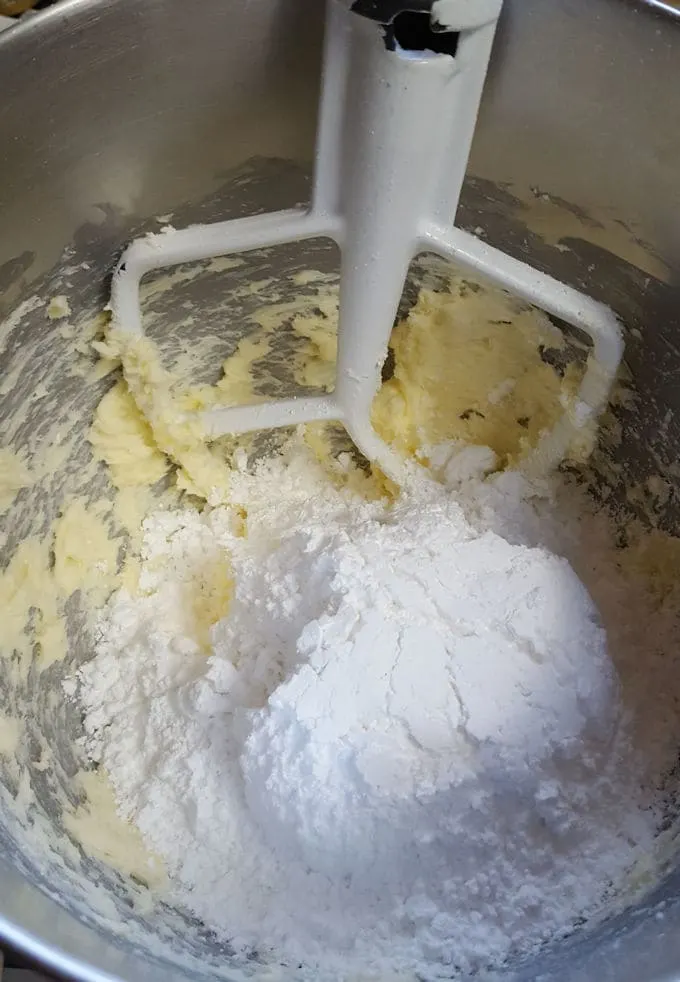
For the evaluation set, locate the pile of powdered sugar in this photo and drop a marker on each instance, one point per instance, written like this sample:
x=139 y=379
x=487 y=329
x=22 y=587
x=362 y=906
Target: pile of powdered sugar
x=406 y=750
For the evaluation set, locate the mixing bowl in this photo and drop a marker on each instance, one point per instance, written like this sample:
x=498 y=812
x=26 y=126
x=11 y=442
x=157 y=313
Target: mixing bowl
x=115 y=114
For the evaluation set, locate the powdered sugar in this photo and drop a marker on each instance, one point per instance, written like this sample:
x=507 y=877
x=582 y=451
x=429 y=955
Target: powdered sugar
x=406 y=750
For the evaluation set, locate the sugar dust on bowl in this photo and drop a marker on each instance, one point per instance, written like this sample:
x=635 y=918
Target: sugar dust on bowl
x=405 y=747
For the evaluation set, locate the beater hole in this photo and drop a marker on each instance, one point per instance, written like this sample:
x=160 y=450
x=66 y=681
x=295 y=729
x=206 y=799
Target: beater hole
x=413 y=31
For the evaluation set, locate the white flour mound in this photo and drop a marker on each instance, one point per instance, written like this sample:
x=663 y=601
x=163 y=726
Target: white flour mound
x=405 y=752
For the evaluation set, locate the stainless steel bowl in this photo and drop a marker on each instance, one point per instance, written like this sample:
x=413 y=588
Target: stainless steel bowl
x=115 y=111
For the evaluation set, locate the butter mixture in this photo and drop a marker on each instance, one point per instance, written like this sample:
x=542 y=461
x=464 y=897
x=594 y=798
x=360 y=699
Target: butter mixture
x=351 y=727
